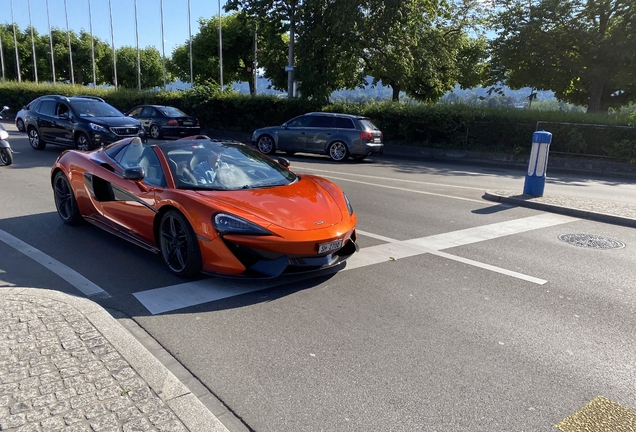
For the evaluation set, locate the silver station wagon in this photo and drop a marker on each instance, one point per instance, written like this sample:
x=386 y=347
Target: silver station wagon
x=336 y=135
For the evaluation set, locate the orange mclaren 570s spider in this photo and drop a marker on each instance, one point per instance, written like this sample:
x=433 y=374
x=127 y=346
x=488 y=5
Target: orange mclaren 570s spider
x=209 y=206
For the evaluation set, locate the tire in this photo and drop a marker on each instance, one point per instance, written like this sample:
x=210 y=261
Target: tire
x=179 y=245
x=265 y=145
x=82 y=142
x=34 y=139
x=65 y=201
x=6 y=156
x=19 y=123
x=338 y=151
x=155 y=132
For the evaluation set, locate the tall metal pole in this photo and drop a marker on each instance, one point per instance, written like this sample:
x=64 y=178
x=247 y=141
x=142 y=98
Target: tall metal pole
x=290 y=64
x=190 y=38
x=90 y=23
x=163 y=47
x=220 y=47
x=70 y=52
x=255 y=66
x=138 y=57
x=48 y=17
x=2 y=58
x=35 y=64
x=15 y=45
x=112 y=38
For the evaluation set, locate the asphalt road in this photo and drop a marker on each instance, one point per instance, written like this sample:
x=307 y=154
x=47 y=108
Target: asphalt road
x=458 y=314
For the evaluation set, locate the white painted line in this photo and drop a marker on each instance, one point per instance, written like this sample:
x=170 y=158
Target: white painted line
x=174 y=297
x=66 y=273
x=396 y=179
x=407 y=190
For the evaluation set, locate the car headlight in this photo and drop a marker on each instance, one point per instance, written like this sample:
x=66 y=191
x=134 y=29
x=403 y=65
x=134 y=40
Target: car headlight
x=349 y=207
x=98 y=128
x=229 y=224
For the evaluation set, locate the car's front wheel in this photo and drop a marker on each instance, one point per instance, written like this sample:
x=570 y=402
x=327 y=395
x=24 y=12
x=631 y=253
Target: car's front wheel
x=35 y=140
x=265 y=145
x=155 y=132
x=179 y=245
x=338 y=151
x=82 y=142
x=65 y=201
x=19 y=123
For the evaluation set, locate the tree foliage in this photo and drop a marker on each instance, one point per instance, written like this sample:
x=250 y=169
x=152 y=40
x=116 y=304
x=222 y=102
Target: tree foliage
x=583 y=50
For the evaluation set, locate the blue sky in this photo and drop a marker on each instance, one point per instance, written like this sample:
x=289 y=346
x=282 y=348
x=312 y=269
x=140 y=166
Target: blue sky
x=175 y=13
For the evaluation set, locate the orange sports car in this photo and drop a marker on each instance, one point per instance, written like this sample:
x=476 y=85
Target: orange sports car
x=208 y=206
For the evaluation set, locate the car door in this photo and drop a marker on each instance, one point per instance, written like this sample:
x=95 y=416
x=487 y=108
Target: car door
x=45 y=119
x=63 y=125
x=322 y=126
x=293 y=134
x=146 y=117
x=126 y=205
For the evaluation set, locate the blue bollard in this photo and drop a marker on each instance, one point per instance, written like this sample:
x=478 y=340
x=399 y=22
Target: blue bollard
x=535 y=178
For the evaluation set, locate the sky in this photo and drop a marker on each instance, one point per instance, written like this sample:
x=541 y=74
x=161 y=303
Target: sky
x=175 y=18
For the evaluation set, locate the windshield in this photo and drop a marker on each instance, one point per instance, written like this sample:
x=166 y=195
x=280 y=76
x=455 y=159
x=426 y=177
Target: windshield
x=93 y=108
x=207 y=165
x=172 y=112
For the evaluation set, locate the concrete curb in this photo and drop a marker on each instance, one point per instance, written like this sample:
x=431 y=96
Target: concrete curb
x=185 y=405
x=527 y=201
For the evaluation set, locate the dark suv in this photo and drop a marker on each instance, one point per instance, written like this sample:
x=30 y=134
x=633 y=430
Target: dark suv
x=83 y=122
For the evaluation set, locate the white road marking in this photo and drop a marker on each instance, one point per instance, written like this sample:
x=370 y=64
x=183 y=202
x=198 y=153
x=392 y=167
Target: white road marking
x=405 y=189
x=69 y=275
x=174 y=297
x=394 y=179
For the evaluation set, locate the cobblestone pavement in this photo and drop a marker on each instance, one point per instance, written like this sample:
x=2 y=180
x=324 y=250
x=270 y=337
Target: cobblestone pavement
x=59 y=372
x=601 y=211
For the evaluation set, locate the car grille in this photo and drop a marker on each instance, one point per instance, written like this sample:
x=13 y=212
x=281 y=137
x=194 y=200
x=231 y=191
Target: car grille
x=125 y=130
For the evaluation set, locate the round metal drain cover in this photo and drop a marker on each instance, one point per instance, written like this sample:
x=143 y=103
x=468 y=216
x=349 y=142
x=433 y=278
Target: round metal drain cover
x=591 y=241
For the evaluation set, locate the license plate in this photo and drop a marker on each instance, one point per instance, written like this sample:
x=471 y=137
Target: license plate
x=187 y=123
x=326 y=247
x=376 y=140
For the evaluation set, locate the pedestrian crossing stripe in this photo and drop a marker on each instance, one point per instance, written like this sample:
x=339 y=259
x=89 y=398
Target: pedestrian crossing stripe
x=600 y=415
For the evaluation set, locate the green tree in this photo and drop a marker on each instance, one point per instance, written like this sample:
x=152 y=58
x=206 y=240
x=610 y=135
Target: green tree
x=582 y=50
x=422 y=47
x=238 y=51
x=150 y=67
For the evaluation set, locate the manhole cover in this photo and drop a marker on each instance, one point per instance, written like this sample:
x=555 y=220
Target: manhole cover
x=591 y=241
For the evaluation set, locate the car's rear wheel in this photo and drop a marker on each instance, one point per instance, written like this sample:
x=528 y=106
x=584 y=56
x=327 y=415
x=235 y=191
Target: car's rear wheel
x=19 y=123
x=265 y=145
x=179 y=245
x=82 y=142
x=65 y=200
x=6 y=156
x=338 y=151
x=155 y=132
x=35 y=140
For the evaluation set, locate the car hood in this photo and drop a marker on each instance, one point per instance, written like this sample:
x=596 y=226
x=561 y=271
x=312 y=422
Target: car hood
x=300 y=206
x=114 y=121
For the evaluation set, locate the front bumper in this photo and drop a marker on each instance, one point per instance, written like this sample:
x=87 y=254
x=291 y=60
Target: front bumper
x=103 y=139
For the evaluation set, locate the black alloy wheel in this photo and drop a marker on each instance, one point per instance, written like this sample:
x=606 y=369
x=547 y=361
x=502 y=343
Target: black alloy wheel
x=6 y=156
x=179 y=245
x=65 y=200
x=82 y=142
x=35 y=140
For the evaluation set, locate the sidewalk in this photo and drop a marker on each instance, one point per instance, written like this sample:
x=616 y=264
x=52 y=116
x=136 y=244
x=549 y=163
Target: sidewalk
x=67 y=365
x=601 y=211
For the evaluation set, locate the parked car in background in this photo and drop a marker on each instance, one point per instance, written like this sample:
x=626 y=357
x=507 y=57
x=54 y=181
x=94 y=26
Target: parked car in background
x=337 y=135
x=165 y=121
x=83 y=122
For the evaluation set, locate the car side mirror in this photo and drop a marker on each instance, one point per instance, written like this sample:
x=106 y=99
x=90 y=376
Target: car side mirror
x=134 y=173
x=64 y=116
x=284 y=162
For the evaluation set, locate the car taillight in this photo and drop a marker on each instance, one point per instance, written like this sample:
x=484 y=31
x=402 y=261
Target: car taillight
x=173 y=122
x=366 y=135
x=197 y=123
